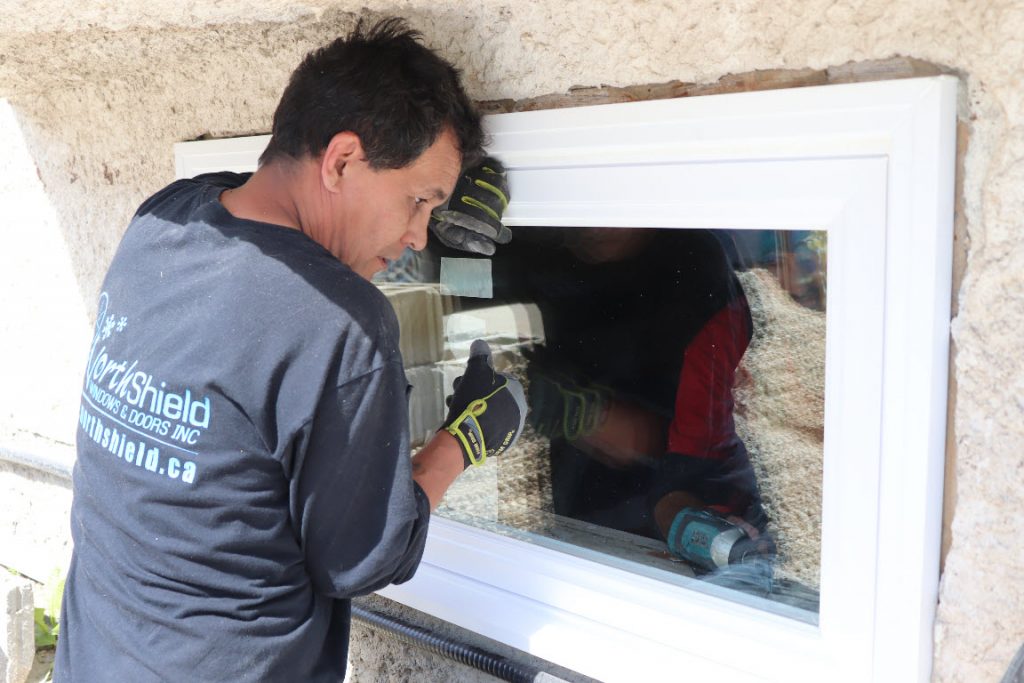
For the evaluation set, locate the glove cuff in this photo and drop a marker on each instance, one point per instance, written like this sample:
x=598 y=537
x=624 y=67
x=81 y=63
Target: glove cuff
x=467 y=431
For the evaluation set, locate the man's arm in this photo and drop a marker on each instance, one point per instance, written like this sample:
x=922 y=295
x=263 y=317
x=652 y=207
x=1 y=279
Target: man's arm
x=485 y=417
x=360 y=520
x=436 y=466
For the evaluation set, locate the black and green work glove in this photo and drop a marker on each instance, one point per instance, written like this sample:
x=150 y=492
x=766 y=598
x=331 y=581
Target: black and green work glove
x=472 y=219
x=488 y=409
x=561 y=407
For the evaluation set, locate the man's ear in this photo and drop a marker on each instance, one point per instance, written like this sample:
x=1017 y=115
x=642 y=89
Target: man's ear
x=343 y=149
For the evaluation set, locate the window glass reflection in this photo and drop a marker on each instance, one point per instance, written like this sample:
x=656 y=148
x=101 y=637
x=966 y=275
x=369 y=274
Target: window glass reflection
x=675 y=380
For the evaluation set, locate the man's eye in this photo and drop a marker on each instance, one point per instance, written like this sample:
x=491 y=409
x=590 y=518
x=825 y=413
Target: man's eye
x=419 y=200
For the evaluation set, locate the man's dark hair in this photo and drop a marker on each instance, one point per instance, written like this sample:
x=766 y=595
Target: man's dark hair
x=382 y=84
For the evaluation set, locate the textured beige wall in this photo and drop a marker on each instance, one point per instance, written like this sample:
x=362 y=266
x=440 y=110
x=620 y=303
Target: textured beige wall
x=99 y=90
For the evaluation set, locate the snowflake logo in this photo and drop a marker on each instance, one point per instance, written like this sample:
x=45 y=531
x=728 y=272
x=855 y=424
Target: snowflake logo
x=108 y=326
x=122 y=323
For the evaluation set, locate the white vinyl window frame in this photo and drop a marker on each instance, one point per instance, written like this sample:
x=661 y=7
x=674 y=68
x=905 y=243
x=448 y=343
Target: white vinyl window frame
x=871 y=163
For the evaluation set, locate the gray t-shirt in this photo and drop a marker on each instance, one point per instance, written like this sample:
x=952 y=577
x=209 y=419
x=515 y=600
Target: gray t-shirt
x=243 y=454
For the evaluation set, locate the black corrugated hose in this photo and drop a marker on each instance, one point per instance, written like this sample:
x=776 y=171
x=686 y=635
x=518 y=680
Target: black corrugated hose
x=480 y=659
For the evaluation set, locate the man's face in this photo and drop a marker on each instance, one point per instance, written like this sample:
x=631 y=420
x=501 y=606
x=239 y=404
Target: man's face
x=380 y=213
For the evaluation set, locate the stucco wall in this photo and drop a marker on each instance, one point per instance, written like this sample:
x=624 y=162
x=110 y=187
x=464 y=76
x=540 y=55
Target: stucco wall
x=96 y=92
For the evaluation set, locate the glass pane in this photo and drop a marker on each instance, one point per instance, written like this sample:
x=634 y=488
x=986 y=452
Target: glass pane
x=676 y=388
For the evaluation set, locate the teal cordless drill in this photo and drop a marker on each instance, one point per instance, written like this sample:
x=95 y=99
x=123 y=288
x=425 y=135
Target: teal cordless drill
x=710 y=542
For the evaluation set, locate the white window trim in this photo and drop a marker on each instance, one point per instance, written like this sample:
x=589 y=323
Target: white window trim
x=873 y=164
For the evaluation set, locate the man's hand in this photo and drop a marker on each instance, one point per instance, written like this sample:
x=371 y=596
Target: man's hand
x=472 y=220
x=487 y=411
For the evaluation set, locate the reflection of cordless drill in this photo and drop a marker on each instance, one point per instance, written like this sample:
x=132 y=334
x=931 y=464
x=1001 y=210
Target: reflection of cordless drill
x=708 y=541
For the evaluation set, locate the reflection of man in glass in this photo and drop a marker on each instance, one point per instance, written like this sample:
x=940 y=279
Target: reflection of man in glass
x=644 y=330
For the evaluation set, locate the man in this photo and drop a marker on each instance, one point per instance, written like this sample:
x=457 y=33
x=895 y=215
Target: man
x=243 y=455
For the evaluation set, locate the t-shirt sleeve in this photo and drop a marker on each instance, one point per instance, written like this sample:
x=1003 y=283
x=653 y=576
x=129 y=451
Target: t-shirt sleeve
x=361 y=519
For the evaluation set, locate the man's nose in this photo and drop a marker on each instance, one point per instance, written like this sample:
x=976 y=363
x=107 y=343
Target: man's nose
x=416 y=236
